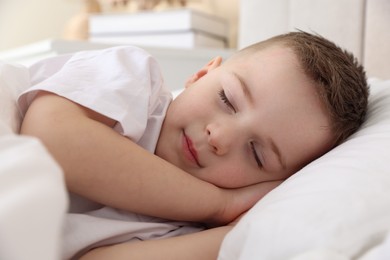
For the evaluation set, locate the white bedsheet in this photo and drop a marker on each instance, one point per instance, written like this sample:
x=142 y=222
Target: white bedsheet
x=33 y=199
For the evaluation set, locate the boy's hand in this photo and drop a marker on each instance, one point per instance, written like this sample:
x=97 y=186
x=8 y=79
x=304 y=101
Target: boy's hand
x=240 y=200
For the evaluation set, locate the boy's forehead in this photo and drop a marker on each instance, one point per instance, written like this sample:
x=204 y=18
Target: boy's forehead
x=274 y=61
x=273 y=70
x=264 y=57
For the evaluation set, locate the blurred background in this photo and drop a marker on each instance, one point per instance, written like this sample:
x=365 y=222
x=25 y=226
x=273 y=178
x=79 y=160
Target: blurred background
x=27 y=21
x=361 y=26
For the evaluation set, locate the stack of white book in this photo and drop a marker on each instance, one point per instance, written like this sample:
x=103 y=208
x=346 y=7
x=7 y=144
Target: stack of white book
x=179 y=28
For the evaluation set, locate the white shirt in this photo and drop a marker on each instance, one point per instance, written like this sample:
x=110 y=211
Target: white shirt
x=124 y=84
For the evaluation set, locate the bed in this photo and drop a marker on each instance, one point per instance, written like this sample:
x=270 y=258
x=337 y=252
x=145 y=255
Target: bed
x=337 y=207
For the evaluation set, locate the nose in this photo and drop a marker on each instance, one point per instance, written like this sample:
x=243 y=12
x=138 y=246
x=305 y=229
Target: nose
x=220 y=138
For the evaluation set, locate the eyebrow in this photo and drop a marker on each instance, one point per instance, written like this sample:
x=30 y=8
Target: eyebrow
x=244 y=87
x=276 y=150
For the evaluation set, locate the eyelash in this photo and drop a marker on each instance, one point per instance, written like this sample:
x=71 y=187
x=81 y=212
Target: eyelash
x=258 y=161
x=225 y=100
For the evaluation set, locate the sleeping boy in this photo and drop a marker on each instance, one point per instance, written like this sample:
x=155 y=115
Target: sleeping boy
x=133 y=158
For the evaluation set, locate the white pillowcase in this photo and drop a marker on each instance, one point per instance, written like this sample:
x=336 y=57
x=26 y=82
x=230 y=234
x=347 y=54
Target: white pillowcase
x=337 y=207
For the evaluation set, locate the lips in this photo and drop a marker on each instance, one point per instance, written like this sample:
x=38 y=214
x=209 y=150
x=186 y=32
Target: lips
x=189 y=150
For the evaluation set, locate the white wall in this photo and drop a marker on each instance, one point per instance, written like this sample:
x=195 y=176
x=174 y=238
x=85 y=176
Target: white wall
x=361 y=26
x=261 y=19
x=27 y=21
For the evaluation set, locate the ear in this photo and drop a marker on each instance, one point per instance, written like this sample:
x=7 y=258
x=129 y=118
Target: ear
x=212 y=64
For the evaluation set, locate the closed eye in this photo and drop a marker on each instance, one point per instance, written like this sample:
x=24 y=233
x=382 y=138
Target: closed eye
x=258 y=161
x=224 y=98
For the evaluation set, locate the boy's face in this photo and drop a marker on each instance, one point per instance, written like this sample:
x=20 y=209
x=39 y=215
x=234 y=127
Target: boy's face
x=246 y=121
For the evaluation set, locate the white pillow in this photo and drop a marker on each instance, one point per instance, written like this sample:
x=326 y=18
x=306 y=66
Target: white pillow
x=13 y=79
x=337 y=207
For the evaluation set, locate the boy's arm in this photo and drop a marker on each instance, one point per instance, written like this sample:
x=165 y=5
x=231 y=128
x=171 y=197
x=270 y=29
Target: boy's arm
x=106 y=167
x=203 y=245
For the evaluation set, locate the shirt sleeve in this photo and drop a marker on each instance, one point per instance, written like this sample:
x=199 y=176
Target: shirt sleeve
x=122 y=83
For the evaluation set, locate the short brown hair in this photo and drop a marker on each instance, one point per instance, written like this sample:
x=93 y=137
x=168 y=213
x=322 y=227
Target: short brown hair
x=341 y=80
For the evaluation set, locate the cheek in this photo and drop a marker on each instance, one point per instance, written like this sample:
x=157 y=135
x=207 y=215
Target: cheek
x=189 y=106
x=227 y=175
